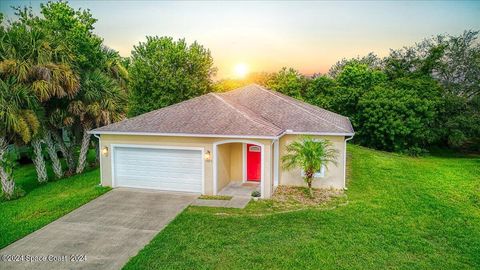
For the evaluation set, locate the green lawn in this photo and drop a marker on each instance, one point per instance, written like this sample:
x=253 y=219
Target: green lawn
x=44 y=203
x=402 y=213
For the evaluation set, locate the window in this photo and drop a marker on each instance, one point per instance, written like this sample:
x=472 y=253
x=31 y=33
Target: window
x=318 y=174
x=254 y=148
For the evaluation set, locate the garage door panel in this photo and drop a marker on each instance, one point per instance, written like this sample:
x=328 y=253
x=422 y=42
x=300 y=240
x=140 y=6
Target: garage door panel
x=167 y=169
x=164 y=178
x=160 y=168
x=175 y=164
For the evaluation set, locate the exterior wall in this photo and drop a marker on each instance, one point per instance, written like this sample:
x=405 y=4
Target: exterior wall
x=236 y=162
x=108 y=140
x=223 y=167
x=205 y=143
x=334 y=174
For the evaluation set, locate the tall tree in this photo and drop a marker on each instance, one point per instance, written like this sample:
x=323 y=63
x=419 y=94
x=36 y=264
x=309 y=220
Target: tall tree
x=453 y=61
x=400 y=115
x=101 y=102
x=164 y=72
x=18 y=124
x=41 y=64
x=73 y=30
x=288 y=81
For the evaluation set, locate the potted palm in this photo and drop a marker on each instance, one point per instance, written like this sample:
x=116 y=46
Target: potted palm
x=309 y=155
x=256 y=194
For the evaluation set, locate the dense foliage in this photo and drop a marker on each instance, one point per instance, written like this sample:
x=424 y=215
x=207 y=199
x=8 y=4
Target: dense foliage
x=415 y=98
x=164 y=72
x=56 y=77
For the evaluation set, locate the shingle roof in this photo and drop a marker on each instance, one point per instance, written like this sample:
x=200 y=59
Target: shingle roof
x=248 y=111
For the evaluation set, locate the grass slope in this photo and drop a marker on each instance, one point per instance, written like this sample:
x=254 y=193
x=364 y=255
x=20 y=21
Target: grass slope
x=44 y=203
x=402 y=213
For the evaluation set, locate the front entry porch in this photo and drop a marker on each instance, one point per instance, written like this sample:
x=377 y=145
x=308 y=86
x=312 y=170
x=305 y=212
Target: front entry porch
x=238 y=189
x=238 y=168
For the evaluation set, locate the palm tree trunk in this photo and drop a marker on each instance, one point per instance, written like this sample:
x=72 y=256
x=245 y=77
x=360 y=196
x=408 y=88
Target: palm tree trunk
x=82 y=157
x=8 y=184
x=39 y=161
x=66 y=152
x=309 y=180
x=52 y=152
x=309 y=183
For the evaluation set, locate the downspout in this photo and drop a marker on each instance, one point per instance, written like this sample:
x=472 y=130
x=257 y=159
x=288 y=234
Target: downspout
x=276 y=163
x=345 y=163
x=100 y=153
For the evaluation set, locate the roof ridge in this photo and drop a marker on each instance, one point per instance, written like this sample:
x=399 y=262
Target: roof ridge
x=296 y=105
x=243 y=113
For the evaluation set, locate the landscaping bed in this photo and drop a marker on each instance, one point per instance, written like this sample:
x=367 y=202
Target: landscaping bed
x=300 y=196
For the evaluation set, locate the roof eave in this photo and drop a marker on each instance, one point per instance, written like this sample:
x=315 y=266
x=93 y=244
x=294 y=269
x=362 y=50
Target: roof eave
x=320 y=133
x=99 y=132
x=95 y=132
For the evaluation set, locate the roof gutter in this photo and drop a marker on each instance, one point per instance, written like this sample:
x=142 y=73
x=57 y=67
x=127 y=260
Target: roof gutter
x=178 y=134
x=93 y=132
x=290 y=132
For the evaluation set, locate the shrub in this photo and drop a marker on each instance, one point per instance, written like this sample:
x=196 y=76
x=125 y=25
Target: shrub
x=256 y=193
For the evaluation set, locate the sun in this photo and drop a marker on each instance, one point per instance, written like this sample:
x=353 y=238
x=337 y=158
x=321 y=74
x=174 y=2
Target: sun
x=240 y=70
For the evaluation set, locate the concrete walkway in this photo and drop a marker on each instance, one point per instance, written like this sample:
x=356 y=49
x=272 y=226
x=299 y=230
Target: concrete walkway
x=103 y=234
x=235 y=202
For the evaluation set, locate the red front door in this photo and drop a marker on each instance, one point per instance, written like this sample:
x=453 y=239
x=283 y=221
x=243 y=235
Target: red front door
x=253 y=162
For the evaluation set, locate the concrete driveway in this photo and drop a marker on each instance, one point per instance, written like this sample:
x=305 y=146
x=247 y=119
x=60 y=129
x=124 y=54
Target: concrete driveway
x=103 y=234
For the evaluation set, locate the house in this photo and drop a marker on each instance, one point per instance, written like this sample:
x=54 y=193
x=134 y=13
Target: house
x=208 y=142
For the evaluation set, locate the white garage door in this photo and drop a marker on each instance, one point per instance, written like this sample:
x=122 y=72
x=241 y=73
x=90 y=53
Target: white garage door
x=166 y=169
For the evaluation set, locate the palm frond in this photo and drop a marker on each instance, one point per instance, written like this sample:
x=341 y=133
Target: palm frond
x=309 y=154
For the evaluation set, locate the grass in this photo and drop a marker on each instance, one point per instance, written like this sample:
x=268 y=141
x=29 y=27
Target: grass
x=44 y=203
x=398 y=213
x=215 y=197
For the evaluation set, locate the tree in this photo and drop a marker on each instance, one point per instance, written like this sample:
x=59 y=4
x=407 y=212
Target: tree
x=18 y=123
x=310 y=155
x=101 y=102
x=40 y=63
x=371 y=60
x=289 y=82
x=74 y=28
x=459 y=71
x=164 y=72
x=341 y=94
x=453 y=61
x=82 y=51
x=400 y=116
x=459 y=122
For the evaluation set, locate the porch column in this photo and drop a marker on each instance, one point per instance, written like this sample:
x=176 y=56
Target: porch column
x=267 y=167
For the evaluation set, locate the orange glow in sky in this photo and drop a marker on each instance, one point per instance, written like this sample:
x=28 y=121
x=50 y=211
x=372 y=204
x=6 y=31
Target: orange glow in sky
x=309 y=36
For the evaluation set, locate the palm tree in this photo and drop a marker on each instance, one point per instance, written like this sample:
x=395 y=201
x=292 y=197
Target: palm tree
x=28 y=54
x=18 y=123
x=60 y=119
x=100 y=102
x=114 y=67
x=310 y=155
x=38 y=160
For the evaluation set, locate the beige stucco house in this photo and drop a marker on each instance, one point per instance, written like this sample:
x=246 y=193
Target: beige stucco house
x=204 y=144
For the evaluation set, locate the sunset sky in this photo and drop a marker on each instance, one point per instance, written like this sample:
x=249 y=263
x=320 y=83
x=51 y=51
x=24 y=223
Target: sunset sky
x=264 y=36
